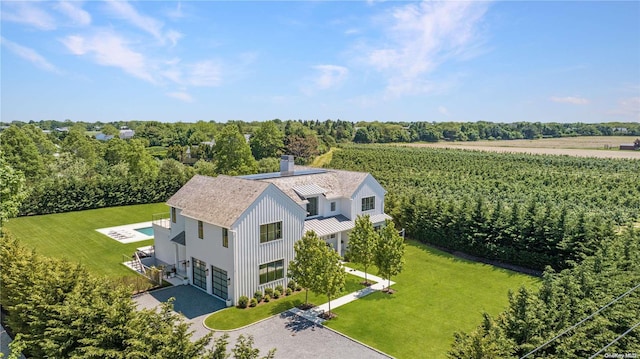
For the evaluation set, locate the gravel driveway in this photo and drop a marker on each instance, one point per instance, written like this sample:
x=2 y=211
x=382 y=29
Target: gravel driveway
x=291 y=335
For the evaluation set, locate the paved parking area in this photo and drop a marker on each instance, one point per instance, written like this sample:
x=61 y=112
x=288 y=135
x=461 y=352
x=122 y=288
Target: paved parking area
x=291 y=335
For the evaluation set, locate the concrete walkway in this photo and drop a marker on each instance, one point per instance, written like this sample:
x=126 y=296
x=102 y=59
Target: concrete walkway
x=313 y=313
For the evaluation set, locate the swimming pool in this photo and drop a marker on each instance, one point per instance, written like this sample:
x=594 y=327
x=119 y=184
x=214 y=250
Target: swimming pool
x=146 y=231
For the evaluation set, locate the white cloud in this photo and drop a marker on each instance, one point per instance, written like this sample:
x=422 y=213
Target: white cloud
x=443 y=110
x=173 y=37
x=420 y=37
x=628 y=107
x=124 y=10
x=109 y=49
x=28 y=13
x=204 y=73
x=330 y=76
x=574 y=100
x=180 y=95
x=29 y=55
x=74 y=12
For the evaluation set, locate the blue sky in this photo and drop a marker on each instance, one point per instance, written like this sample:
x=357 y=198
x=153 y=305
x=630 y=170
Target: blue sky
x=547 y=61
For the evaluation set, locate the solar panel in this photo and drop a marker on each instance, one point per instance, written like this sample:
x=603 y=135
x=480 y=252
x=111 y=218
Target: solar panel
x=260 y=176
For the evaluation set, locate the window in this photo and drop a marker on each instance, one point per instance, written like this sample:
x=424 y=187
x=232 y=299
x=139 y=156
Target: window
x=271 y=271
x=368 y=203
x=225 y=237
x=199 y=271
x=173 y=214
x=312 y=207
x=270 y=232
x=200 y=230
x=333 y=206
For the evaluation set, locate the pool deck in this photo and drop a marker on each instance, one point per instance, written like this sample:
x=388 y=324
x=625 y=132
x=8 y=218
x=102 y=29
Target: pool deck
x=127 y=233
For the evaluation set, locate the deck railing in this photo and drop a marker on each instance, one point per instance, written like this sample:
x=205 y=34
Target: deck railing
x=162 y=219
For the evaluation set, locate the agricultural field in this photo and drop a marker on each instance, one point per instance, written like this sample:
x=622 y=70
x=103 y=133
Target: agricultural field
x=592 y=146
x=73 y=236
x=436 y=295
x=526 y=210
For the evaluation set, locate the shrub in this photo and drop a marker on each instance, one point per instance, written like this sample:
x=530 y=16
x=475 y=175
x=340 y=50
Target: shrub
x=243 y=301
x=257 y=295
x=253 y=302
x=266 y=298
x=268 y=291
x=298 y=287
x=280 y=288
x=276 y=294
x=288 y=291
x=292 y=285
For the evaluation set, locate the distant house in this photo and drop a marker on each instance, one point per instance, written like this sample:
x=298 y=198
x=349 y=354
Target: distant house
x=232 y=236
x=62 y=129
x=631 y=146
x=127 y=134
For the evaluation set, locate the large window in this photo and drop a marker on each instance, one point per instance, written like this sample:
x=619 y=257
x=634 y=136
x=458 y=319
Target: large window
x=219 y=282
x=225 y=237
x=200 y=230
x=173 y=214
x=270 y=232
x=271 y=271
x=368 y=203
x=199 y=269
x=312 y=206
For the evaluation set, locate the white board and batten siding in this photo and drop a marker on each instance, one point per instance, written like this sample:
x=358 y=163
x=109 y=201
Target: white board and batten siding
x=368 y=188
x=272 y=206
x=164 y=248
x=209 y=249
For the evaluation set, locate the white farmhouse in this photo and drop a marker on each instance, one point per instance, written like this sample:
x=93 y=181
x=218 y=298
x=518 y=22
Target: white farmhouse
x=234 y=235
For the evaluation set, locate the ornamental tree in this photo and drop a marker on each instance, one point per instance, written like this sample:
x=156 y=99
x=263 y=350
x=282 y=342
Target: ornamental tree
x=389 y=252
x=362 y=243
x=304 y=268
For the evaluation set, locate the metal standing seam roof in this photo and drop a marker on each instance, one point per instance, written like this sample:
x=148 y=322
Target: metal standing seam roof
x=309 y=190
x=179 y=238
x=324 y=226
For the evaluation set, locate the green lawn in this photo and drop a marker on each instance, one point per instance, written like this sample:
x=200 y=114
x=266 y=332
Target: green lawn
x=232 y=318
x=72 y=235
x=437 y=294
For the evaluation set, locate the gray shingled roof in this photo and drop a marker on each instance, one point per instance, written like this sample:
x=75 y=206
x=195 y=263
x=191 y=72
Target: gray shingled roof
x=217 y=200
x=336 y=183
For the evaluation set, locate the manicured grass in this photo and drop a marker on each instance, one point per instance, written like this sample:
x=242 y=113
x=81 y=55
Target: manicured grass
x=436 y=295
x=73 y=236
x=232 y=318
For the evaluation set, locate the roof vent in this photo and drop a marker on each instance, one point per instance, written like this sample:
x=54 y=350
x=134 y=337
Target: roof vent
x=286 y=165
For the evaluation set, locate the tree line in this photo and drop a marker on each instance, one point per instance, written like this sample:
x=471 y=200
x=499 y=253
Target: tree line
x=527 y=210
x=564 y=300
x=58 y=310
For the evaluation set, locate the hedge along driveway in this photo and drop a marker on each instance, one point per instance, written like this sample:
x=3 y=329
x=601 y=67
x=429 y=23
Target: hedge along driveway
x=73 y=236
x=437 y=295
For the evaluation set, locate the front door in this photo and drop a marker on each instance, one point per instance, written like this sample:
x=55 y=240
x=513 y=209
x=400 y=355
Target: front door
x=219 y=282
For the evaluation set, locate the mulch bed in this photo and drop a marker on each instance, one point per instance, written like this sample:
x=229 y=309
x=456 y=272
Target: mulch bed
x=388 y=291
x=327 y=315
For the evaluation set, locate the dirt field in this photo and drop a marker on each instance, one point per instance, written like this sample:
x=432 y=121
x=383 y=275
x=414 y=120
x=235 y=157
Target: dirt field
x=596 y=146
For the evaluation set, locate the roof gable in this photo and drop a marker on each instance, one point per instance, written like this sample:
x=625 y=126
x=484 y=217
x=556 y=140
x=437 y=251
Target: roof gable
x=217 y=200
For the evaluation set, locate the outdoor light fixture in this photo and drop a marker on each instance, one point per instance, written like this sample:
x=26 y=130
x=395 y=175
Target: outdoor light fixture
x=188 y=263
x=207 y=271
x=228 y=281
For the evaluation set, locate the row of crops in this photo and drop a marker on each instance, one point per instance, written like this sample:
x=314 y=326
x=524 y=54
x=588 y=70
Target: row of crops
x=529 y=210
